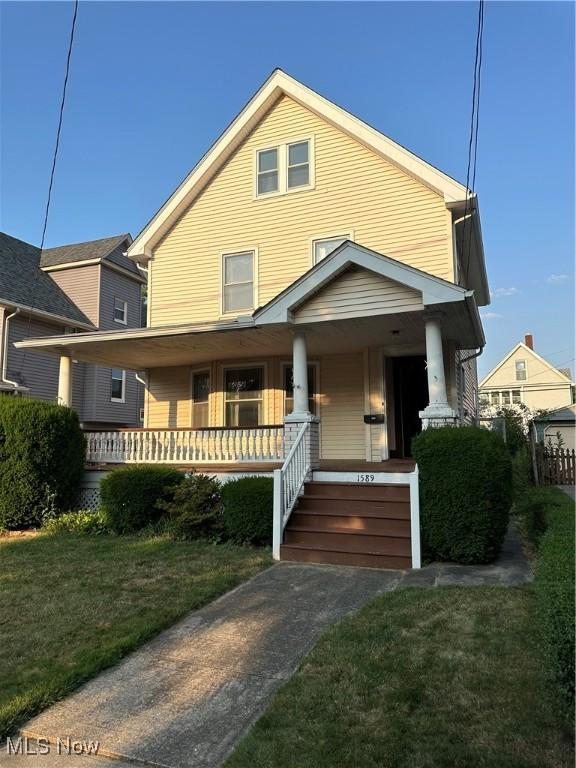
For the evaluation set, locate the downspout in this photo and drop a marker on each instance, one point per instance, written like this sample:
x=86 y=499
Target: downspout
x=465 y=360
x=144 y=380
x=4 y=380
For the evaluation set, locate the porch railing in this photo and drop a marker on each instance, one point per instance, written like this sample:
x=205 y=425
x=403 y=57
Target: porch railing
x=288 y=483
x=185 y=446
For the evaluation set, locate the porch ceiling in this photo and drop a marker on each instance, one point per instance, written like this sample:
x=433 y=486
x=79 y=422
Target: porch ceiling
x=144 y=348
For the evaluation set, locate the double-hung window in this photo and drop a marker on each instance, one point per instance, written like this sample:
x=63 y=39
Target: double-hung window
x=289 y=389
x=285 y=168
x=520 y=370
x=243 y=396
x=200 y=399
x=117 y=385
x=120 y=311
x=238 y=282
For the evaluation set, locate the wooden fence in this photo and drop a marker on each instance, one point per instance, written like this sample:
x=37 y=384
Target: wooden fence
x=555 y=466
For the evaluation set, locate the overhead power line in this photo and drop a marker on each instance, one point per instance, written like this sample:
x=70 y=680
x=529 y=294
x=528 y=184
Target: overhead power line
x=473 y=140
x=52 y=170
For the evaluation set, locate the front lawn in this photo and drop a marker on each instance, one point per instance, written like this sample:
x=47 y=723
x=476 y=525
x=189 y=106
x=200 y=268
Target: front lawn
x=432 y=678
x=72 y=605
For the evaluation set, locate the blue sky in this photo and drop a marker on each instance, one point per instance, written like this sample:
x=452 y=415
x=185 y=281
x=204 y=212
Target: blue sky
x=153 y=84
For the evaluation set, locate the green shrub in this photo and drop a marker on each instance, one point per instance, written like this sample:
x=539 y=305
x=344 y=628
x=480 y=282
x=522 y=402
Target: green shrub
x=42 y=452
x=465 y=493
x=522 y=478
x=130 y=496
x=195 y=511
x=248 y=509
x=84 y=521
x=555 y=589
x=534 y=507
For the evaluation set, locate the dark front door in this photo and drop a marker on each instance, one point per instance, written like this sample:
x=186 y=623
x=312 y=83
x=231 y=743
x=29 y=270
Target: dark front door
x=410 y=396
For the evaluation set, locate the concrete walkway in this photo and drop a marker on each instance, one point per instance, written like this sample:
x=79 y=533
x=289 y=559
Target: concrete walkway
x=185 y=699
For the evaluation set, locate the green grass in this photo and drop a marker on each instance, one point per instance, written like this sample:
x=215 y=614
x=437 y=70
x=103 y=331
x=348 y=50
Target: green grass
x=443 y=678
x=73 y=605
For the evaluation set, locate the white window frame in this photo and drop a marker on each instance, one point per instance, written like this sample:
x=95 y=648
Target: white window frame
x=288 y=364
x=236 y=366
x=118 y=399
x=346 y=234
x=237 y=252
x=125 y=305
x=282 y=148
x=193 y=372
x=523 y=360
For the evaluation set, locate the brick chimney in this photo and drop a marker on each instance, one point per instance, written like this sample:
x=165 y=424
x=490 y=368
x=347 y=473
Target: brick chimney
x=529 y=341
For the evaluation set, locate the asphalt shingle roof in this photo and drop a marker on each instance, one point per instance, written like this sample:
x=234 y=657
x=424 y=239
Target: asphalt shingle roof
x=23 y=282
x=106 y=248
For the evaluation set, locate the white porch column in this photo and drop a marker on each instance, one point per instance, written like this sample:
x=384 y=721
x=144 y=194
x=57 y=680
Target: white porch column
x=437 y=412
x=65 y=381
x=300 y=374
x=301 y=415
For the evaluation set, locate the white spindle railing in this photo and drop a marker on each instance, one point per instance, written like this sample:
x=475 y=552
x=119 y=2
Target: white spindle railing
x=288 y=483
x=183 y=446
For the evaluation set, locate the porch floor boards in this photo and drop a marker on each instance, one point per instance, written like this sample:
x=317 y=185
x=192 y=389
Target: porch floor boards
x=326 y=465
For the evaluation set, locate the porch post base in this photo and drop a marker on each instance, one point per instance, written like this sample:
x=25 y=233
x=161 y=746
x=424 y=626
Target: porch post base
x=292 y=425
x=438 y=415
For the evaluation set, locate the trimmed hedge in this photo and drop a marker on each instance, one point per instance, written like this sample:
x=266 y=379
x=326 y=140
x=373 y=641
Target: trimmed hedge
x=131 y=496
x=42 y=452
x=248 y=504
x=555 y=585
x=465 y=493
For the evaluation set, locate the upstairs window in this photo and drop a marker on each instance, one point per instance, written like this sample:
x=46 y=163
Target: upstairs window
x=238 y=282
x=117 y=385
x=285 y=168
x=298 y=165
x=520 y=370
x=267 y=171
x=322 y=247
x=120 y=311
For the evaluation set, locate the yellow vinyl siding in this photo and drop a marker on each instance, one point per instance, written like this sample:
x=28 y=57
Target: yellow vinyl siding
x=355 y=189
x=341 y=388
x=356 y=292
x=343 y=434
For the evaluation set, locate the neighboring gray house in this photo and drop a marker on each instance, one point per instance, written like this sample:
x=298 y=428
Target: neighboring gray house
x=70 y=289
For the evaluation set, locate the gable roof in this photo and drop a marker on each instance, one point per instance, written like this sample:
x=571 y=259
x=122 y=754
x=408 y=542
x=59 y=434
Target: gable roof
x=276 y=86
x=24 y=284
x=107 y=248
x=565 y=413
x=529 y=352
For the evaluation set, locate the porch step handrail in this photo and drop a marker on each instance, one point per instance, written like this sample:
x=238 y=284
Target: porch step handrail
x=288 y=484
x=185 y=446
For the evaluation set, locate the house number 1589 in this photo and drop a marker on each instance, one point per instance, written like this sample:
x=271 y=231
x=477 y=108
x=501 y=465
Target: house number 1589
x=365 y=478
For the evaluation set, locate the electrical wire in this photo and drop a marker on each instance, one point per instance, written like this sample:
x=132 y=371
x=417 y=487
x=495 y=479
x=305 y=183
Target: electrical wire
x=52 y=174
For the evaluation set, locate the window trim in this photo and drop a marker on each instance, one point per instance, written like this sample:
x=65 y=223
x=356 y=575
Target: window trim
x=194 y=370
x=346 y=234
x=317 y=400
x=236 y=252
x=238 y=366
x=282 y=147
x=125 y=303
x=123 y=398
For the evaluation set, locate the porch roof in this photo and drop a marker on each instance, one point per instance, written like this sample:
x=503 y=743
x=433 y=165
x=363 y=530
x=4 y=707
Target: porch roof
x=269 y=331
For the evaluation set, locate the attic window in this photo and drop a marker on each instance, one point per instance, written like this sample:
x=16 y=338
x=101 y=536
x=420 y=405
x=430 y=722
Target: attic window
x=285 y=168
x=520 y=370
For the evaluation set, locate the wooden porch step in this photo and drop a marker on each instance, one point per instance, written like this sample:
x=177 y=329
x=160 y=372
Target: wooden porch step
x=315 y=554
x=337 y=520
x=356 y=490
x=349 y=541
x=356 y=505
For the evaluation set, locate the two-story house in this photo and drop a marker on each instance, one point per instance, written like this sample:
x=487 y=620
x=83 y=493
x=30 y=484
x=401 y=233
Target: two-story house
x=523 y=376
x=67 y=290
x=313 y=302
